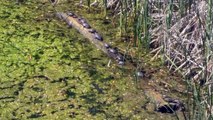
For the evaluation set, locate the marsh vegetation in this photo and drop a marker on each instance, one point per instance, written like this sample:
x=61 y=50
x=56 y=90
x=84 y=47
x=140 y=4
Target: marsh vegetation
x=50 y=71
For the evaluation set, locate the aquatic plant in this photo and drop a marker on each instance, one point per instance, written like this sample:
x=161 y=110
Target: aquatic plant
x=49 y=71
x=181 y=31
x=185 y=43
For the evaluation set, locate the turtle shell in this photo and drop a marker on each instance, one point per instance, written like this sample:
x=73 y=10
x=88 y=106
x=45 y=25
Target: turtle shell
x=82 y=20
x=98 y=36
x=106 y=45
x=120 y=62
x=92 y=30
x=70 y=14
x=86 y=25
x=112 y=50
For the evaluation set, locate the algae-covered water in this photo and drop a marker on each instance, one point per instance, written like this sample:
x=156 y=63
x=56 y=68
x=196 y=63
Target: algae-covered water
x=50 y=71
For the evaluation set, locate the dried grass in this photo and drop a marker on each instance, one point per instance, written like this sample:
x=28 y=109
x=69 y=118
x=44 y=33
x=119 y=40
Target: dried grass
x=183 y=44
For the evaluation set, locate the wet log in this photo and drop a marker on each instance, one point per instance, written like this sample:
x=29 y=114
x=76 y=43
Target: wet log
x=162 y=104
x=71 y=21
x=92 y=35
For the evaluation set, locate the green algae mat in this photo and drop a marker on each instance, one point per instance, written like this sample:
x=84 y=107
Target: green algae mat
x=49 y=71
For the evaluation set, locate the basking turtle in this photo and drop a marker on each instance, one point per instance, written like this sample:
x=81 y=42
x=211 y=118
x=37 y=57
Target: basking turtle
x=82 y=20
x=120 y=57
x=98 y=36
x=112 y=50
x=86 y=25
x=71 y=14
x=121 y=62
x=92 y=30
x=75 y=16
x=69 y=23
x=106 y=45
x=140 y=74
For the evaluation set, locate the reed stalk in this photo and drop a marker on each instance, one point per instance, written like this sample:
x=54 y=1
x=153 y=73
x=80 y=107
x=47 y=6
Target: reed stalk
x=88 y=4
x=169 y=14
x=145 y=39
x=135 y=32
x=182 y=8
x=105 y=8
x=121 y=18
x=199 y=103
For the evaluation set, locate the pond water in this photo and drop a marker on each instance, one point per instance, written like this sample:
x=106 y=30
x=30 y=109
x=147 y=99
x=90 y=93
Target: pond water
x=50 y=71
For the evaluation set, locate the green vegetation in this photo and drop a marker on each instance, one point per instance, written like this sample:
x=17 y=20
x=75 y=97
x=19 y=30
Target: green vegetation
x=49 y=71
x=181 y=32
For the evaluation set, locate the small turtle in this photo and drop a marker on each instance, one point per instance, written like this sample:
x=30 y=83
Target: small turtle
x=171 y=107
x=69 y=23
x=82 y=20
x=75 y=16
x=140 y=74
x=92 y=30
x=120 y=57
x=106 y=45
x=70 y=14
x=98 y=36
x=86 y=25
x=121 y=62
x=79 y=20
x=112 y=50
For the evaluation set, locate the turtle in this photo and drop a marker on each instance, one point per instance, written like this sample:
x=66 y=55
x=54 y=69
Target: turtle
x=75 y=16
x=92 y=30
x=82 y=20
x=106 y=45
x=120 y=62
x=70 y=14
x=69 y=23
x=111 y=50
x=98 y=36
x=120 y=57
x=86 y=25
x=140 y=73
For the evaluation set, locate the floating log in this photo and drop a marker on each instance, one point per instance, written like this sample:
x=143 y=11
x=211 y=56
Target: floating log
x=162 y=105
x=73 y=21
x=93 y=36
